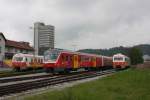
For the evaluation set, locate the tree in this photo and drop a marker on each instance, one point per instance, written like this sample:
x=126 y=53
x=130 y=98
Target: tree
x=136 y=56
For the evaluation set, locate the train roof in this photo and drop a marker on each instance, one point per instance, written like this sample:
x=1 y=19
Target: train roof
x=26 y=55
x=119 y=55
x=72 y=52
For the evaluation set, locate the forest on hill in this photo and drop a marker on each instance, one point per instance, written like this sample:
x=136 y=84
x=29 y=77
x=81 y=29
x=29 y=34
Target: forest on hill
x=145 y=48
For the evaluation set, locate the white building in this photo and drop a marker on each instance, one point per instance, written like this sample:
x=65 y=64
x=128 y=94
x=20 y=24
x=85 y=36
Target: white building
x=43 y=37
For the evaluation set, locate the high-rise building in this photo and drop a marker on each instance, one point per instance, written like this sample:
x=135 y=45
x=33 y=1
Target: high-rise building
x=43 y=37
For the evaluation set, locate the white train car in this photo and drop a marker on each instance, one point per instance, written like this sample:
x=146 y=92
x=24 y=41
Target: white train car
x=25 y=61
x=120 y=61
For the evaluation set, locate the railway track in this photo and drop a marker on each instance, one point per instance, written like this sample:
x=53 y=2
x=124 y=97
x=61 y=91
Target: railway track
x=13 y=73
x=43 y=82
x=22 y=78
x=29 y=77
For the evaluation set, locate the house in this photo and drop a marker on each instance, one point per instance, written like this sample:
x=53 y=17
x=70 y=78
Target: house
x=10 y=47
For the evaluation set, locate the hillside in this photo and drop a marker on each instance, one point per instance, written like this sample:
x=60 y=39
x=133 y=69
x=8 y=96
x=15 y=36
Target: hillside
x=145 y=48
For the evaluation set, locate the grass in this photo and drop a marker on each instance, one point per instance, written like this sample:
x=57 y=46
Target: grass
x=130 y=84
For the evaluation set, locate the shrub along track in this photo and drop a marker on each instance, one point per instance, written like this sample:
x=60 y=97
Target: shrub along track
x=43 y=82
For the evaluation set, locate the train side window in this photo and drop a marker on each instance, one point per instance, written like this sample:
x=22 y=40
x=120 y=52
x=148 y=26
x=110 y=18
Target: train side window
x=86 y=59
x=26 y=60
x=66 y=58
x=82 y=59
x=35 y=60
x=29 y=59
x=71 y=58
x=90 y=59
x=79 y=58
x=39 y=60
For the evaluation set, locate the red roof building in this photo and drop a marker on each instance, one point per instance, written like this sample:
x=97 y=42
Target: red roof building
x=12 y=47
x=19 y=45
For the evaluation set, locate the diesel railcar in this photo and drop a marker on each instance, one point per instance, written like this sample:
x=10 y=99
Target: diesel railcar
x=25 y=61
x=64 y=61
x=120 y=61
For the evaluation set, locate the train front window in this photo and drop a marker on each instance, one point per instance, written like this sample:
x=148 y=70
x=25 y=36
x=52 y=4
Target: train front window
x=18 y=59
x=51 y=56
x=118 y=58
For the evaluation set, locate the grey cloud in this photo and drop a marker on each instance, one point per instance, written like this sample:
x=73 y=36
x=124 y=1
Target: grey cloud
x=87 y=23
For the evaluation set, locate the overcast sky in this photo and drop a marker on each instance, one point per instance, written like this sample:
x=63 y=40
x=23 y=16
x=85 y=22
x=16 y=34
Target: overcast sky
x=85 y=23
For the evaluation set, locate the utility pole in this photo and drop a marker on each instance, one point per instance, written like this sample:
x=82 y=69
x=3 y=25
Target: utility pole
x=74 y=47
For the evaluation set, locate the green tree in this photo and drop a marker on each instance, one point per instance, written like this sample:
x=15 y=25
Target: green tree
x=136 y=56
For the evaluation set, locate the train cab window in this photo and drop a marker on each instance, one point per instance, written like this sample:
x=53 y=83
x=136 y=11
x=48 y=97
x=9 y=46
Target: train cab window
x=118 y=58
x=18 y=58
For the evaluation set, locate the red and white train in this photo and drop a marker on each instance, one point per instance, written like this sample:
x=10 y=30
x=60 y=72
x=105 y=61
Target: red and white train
x=60 y=60
x=120 y=61
x=56 y=60
x=25 y=61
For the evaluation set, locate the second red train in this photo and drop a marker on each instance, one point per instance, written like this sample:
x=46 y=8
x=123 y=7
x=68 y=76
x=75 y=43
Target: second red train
x=64 y=61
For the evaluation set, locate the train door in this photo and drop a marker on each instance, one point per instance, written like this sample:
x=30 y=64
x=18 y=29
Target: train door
x=75 y=59
x=94 y=61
